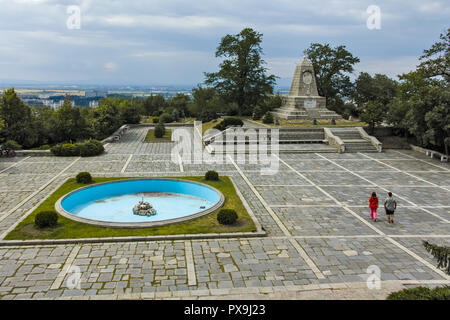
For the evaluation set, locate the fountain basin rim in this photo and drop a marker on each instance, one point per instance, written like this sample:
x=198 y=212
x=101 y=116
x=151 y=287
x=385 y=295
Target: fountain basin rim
x=59 y=209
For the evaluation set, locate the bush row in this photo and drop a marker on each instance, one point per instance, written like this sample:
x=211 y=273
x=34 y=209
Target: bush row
x=87 y=148
x=421 y=293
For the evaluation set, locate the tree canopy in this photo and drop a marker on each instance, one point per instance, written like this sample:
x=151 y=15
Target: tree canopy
x=242 y=77
x=332 y=67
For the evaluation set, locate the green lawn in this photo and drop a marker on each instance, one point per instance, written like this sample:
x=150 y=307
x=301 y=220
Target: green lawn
x=209 y=125
x=150 y=137
x=69 y=229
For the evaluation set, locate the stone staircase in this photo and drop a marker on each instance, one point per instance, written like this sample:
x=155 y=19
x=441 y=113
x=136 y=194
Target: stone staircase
x=290 y=113
x=290 y=139
x=353 y=140
x=301 y=139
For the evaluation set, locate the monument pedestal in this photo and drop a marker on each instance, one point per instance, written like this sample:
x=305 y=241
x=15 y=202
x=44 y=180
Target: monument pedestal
x=304 y=102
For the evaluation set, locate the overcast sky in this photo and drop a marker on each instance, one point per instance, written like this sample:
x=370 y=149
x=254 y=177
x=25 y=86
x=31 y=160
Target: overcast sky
x=146 y=42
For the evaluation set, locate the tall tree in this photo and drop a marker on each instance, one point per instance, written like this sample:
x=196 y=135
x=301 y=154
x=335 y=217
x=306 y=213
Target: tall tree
x=373 y=96
x=106 y=118
x=436 y=60
x=70 y=125
x=16 y=119
x=242 y=77
x=332 y=66
x=154 y=104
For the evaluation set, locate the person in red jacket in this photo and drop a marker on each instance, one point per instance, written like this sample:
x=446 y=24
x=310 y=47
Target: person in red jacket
x=373 y=205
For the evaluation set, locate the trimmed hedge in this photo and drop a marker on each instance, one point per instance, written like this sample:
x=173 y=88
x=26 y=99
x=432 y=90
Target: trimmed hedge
x=90 y=148
x=155 y=119
x=84 y=177
x=229 y=121
x=87 y=148
x=211 y=175
x=227 y=216
x=46 y=219
x=421 y=293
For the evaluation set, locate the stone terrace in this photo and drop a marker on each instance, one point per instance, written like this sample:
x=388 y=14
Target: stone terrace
x=320 y=240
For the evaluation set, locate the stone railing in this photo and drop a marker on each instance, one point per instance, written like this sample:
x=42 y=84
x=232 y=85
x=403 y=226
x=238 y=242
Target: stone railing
x=334 y=140
x=430 y=153
x=374 y=141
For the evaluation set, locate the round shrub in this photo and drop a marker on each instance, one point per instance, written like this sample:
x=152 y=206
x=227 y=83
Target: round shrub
x=46 y=219
x=212 y=175
x=227 y=216
x=84 y=177
x=160 y=130
x=90 y=148
x=155 y=119
x=268 y=118
x=11 y=144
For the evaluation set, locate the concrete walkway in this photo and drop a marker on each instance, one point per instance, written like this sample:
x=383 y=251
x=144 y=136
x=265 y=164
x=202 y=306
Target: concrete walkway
x=321 y=242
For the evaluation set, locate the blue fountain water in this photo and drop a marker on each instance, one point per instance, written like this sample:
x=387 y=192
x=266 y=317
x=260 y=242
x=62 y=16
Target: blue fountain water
x=113 y=202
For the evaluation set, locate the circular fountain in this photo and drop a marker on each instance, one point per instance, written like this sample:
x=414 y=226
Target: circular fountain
x=120 y=203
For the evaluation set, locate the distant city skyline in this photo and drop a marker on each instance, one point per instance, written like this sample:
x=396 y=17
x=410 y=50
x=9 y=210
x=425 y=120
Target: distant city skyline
x=173 y=42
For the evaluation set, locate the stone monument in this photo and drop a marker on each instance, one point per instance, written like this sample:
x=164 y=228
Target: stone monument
x=304 y=101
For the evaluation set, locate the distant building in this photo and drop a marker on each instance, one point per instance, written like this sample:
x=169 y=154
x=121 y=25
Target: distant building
x=93 y=104
x=95 y=94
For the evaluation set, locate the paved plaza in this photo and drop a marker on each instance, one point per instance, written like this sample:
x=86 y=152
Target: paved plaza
x=320 y=239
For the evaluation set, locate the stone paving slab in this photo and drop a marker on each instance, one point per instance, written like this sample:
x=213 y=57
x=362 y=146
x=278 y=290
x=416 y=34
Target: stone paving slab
x=339 y=244
x=432 y=196
x=355 y=195
x=406 y=221
x=415 y=245
x=310 y=221
x=37 y=168
x=334 y=178
x=441 y=178
x=393 y=178
x=363 y=165
x=23 y=182
x=279 y=178
x=347 y=259
x=10 y=199
x=410 y=165
x=249 y=263
x=162 y=166
x=313 y=165
x=50 y=159
x=301 y=156
x=294 y=196
x=96 y=166
x=442 y=212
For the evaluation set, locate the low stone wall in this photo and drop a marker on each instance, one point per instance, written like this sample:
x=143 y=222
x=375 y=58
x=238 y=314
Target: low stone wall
x=33 y=153
x=430 y=153
x=334 y=140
